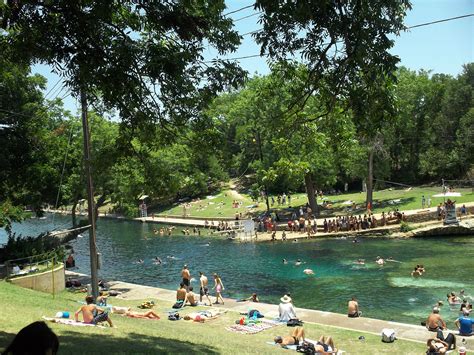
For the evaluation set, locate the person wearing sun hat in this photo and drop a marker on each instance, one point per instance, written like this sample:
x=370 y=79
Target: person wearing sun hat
x=286 y=309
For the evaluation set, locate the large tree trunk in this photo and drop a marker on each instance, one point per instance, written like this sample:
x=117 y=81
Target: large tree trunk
x=370 y=178
x=73 y=213
x=308 y=180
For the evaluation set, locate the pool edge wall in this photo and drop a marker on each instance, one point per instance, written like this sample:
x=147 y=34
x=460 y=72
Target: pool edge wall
x=43 y=281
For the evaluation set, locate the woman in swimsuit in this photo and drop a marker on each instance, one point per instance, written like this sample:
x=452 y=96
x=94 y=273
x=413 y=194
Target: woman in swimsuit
x=219 y=287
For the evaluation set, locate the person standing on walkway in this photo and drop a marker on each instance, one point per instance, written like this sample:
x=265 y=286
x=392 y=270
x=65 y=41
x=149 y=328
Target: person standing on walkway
x=186 y=275
x=423 y=201
x=219 y=287
x=204 y=289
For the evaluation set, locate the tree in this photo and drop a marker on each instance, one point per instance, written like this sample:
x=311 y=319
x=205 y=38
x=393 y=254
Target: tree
x=334 y=39
x=142 y=58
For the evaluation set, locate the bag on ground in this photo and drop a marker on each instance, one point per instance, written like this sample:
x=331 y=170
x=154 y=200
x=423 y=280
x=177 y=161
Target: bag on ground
x=388 y=335
x=306 y=348
x=294 y=323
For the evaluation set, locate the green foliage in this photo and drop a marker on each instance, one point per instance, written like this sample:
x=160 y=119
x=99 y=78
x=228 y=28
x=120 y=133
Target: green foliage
x=143 y=59
x=39 y=247
x=9 y=214
x=405 y=227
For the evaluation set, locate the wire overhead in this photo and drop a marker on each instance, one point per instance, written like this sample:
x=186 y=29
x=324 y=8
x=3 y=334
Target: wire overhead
x=238 y=10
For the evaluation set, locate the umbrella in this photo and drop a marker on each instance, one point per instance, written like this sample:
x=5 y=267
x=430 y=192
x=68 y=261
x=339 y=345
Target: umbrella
x=448 y=194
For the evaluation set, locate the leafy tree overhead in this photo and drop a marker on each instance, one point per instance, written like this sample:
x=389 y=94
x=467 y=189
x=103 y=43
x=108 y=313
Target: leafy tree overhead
x=142 y=58
x=334 y=39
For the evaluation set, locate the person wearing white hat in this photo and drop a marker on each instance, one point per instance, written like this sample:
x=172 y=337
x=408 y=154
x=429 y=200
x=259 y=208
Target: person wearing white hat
x=286 y=309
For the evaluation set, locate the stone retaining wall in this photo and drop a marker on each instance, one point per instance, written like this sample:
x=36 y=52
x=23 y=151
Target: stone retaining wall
x=43 y=281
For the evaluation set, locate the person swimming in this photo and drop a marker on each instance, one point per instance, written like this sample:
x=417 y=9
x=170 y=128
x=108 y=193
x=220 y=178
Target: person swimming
x=360 y=262
x=285 y=261
x=157 y=260
x=298 y=262
x=379 y=260
x=308 y=272
x=139 y=261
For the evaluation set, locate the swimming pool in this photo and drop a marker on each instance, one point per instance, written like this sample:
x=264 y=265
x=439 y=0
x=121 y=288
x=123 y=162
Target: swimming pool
x=387 y=292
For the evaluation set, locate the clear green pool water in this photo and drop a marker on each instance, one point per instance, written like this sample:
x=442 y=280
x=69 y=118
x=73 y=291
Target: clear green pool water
x=387 y=292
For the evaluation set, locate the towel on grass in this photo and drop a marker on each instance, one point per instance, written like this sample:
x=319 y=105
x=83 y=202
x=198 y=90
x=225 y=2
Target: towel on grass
x=253 y=328
x=70 y=322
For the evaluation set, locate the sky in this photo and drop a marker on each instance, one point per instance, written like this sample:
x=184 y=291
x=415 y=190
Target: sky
x=442 y=47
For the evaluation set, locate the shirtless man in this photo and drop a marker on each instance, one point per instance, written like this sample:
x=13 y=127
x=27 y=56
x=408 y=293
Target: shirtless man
x=190 y=298
x=204 y=290
x=185 y=274
x=92 y=314
x=353 y=308
x=434 y=321
x=181 y=294
x=296 y=336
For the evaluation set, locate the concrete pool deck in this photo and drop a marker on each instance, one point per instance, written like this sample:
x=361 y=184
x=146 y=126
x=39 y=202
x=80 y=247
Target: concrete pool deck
x=417 y=333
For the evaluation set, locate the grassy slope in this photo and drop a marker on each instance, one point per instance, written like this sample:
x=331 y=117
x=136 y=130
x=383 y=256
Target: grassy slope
x=22 y=306
x=221 y=205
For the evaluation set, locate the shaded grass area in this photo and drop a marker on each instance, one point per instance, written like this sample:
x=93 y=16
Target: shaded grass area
x=220 y=204
x=136 y=336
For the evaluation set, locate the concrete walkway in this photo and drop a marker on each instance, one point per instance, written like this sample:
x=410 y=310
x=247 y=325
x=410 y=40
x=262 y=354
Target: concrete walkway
x=404 y=331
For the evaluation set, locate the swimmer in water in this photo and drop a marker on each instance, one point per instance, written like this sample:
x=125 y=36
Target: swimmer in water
x=360 y=262
x=295 y=241
x=308 y=272
x=140 y=261
x=355 y=240
x=298 y=262
x=285 y=261
x=379 y=261
x=158 y=260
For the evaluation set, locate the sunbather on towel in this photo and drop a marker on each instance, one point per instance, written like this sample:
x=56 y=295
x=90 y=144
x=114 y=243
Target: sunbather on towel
x=296 y=336
x=202 y=316
x=325 y=345
x=147 y=315
x=92 y=314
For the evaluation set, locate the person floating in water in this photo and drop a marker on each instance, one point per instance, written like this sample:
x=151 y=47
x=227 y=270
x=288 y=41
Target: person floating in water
x=298 y=262
x=285 y=261
x=158 y=260
x=360 y=262
x=379 y=261
x=140 y=261
x=308 y=272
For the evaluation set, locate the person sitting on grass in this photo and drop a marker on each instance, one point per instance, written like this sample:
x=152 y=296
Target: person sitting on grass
x=92 y=314
x=296 y=336
x=191 y=298
x=325 y=345
x=180 y=296
x=286 y=309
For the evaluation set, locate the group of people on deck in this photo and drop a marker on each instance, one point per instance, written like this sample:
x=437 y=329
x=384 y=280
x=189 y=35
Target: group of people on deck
x=185 y=295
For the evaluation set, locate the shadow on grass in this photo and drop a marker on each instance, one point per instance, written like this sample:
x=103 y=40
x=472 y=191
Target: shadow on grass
x=79 y=343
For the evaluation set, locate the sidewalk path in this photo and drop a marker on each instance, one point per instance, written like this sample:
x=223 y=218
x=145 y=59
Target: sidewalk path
x=367 y=325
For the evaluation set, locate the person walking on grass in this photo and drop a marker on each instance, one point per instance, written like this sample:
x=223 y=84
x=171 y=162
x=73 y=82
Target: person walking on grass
x=219 y=287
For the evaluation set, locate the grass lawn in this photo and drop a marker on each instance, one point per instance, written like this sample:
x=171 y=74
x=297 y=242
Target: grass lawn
x=22 y=306
x=220 y=204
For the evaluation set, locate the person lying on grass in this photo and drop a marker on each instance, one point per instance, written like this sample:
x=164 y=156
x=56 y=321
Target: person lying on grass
x=92 y=314
x=294 y=338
